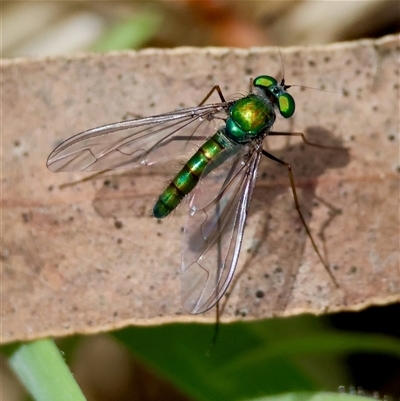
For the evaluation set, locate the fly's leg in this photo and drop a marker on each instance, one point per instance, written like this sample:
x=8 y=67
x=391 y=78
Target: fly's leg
x=217 y=89
x=306 y=141
x=216 y=329
x=333 y=212
x=251 y=85
x=297 y=206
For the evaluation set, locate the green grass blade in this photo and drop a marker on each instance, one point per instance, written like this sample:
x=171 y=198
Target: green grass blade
x=41 y=368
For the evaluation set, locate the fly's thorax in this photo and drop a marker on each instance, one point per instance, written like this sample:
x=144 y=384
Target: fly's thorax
x=249 y=118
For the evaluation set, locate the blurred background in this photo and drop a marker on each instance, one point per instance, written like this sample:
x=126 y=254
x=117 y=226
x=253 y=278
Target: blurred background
x=43 y=28
x=101 y=364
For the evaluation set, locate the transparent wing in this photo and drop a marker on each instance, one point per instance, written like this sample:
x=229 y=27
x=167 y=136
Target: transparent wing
x=137 y=142
x=214 y=230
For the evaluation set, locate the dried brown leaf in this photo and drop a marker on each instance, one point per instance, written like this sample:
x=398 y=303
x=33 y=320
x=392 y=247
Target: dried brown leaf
x=89 y=258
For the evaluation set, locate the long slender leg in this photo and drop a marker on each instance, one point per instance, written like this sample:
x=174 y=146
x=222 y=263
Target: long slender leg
x=251 y=85
x=305 y=140
x=214 y=88
x=333 y=212
x=297 y=205
x=216 y=328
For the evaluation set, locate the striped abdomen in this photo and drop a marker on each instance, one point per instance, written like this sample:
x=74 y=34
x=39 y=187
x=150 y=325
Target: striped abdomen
x=188 y=177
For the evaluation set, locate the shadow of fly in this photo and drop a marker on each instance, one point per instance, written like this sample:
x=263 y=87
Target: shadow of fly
x=218 y=179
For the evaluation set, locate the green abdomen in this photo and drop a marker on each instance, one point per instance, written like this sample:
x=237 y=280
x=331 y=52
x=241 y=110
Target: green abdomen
x=188 y=177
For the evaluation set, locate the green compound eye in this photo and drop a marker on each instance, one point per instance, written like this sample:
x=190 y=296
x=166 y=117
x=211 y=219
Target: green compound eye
x=283 y=100
x=286 y=105
x=264 y=81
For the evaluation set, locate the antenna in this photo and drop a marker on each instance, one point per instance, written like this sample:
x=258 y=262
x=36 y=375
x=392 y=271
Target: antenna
x=283 y=66
x=310 y=87
x=300 y=86
x=283 y=72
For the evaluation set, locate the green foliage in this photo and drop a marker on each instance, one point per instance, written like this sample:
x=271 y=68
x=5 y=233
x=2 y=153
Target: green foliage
x=251 y=359
x=291 y=359
x=130 y=34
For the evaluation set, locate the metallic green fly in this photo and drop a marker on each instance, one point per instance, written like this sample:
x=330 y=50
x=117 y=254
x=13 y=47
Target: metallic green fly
x=219 y=178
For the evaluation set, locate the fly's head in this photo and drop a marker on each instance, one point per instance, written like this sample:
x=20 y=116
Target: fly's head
x=276 y=93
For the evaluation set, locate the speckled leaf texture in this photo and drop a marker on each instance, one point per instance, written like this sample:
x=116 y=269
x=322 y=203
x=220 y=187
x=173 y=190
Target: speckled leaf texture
x=89 y=257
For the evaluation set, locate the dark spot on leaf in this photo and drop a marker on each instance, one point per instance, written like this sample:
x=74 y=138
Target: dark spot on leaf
x=27 y=216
